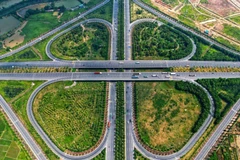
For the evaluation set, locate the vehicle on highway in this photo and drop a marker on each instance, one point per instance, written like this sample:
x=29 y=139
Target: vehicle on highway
x=137 y=62
x=167 y=76
x=154 y=75
x=187 y=65
x=164 y=72
x=192 y=75
x=120 y=62
x=97 y=72
x=109 y=124
x=172 y=74
x=135 y=77
x=145 y=76
x=136 y=74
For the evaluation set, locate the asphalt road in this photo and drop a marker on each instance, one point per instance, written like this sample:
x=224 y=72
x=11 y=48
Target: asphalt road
x=217 y=133
x=117 y=76
x=194 y=47
x=36 y=150
x=189 y=144
x=53 y=31
x=176 y=23
x=45 y=137
x=126 y=64
x=93 y=20
x=110 y=148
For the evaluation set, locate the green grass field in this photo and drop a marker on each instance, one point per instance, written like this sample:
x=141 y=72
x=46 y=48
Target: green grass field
x=17 y=93
x=232 y=31
x=11 y=147
x=151 y=41
x=87 y=42
x=73 y=117
x=227 y=43
x=190 y=13
x=39 y=24
x=235 y=19
x=104 y=12
x=208 y=53
x=25 y=55
x=165 y=116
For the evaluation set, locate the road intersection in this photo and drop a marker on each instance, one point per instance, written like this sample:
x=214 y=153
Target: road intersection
x=112 y=77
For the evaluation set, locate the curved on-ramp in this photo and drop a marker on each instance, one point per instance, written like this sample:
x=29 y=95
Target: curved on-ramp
x=38 y=39
x=177 y=24
x=93 y=20
x=194 y=47
x=45 y=137
x=187 y=147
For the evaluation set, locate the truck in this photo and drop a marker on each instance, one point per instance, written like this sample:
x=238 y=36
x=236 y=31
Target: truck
x=136 y=74
x=97 y=72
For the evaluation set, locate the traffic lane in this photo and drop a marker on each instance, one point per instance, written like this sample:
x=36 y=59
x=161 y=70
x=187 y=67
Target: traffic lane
x=22 y=130
x=212 y=140
x=54 y=30
x=121 y=64
x=119 y=76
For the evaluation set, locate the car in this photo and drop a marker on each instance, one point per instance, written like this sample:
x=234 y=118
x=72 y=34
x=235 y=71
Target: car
x=154 y=75
x=145 y=76
x=137 y=62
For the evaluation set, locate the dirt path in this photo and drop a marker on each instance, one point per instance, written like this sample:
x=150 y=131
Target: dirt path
x=20 y=95
x=37 y=52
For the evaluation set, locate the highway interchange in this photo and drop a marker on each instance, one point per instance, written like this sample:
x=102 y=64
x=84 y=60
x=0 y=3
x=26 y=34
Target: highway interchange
x=112 y=77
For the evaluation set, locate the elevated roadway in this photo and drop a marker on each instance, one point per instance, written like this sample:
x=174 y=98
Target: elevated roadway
x=126 y=64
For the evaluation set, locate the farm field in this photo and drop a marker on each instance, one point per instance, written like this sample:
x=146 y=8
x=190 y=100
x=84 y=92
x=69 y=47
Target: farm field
x=11 y=147
x=73 y=117
x=151 y=41
x=166 y=117
x=229 y=148
x=87 y=42
x=7 y=24
x=189 y=12
x=17 y=93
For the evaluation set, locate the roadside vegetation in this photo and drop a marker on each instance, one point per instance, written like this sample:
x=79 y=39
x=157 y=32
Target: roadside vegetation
x=151 y=41
x=225 y=92
x=120 y=132
x=138 y=156
x=11 y=147
x=138 y=13
x=101 y=156
x=206 y=51
x=87 y=42
x=104 y=12
x=57 y=106
x=205 y=69
x=17 y=93
x=232 y=31
x=26 y=55
x=236 y=19
x=168 y=113
x=120 y=33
